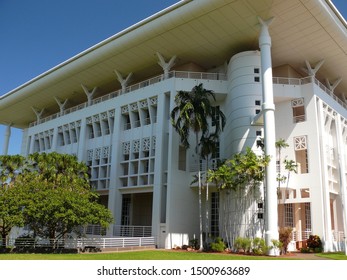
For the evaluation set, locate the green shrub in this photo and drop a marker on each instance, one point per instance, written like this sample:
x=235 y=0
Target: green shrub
x=276 y=244
x=258 y=246
x=218 y=245
x=243 y=243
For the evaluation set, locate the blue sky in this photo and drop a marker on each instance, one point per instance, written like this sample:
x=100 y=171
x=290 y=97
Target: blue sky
x=37 y=35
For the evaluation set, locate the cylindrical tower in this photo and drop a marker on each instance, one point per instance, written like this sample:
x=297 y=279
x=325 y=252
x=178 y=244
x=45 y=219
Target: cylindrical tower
x=243 y=102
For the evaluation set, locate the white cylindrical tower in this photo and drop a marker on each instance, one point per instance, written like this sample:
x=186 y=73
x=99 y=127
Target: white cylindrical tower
x=242 y=105
x=243 y=102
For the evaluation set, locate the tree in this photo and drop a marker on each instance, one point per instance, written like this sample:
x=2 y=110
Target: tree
x=57 y=197
x=208 y=148
x=243 y=170
x=50 y=193
x=192 y=113
x=11 y=166
x=10 y=212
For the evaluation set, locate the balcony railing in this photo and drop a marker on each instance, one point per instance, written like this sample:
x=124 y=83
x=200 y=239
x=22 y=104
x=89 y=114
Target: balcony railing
x=151 y=81
x=83 y=243
x=308 y=80
x=338 y=236
x=132 y=231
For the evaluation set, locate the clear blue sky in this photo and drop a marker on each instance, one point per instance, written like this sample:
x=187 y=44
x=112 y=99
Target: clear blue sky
x=37 y=35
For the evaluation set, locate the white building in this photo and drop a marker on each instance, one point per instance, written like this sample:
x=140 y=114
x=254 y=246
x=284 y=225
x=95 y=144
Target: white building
x=110 y=106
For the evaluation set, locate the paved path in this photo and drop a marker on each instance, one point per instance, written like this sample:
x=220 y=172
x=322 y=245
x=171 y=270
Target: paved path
x=305 y=256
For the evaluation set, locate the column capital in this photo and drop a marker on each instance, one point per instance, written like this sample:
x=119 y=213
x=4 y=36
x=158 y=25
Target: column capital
x=264 y=37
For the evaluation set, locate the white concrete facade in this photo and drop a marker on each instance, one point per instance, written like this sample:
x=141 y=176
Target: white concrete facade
x=135 y=159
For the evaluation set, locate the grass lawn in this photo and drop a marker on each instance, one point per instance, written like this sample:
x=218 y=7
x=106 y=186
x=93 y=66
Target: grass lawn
x=134 y=255
x=150 y=255
x=334 y=256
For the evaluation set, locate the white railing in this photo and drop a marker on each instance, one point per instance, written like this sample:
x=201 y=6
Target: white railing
x=132 y=231
x=338 y=236
x=301 y=235
x=93 y=230
x=307 y=80
x=69 y=243
x=151 y=81
x=115 y=242
x=204 y=165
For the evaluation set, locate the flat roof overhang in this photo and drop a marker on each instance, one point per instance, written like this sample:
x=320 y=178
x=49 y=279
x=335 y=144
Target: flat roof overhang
x=205 y=32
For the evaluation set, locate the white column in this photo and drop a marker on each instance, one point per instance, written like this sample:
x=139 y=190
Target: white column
x=7 y=139
x=268 y=107
x=341 y=146
x=89 y=94
x=38 y=114
x=61 y=105
x=325 y=202
x=166 y=65
x=122 y=81
x=312 y=71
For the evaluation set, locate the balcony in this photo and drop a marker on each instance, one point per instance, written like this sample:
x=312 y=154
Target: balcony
x=308 y=80
x=151 y=81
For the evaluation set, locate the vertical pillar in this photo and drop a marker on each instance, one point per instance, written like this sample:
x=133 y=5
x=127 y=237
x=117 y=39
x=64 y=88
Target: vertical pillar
x=332 y=86
x=89 y=94
x=268 y=108
x=166 y=65
x=312 y=71
x=7 y=139
x=61 y=105
x=38 y=114
x=341 y=146
x=122 y=81
x=325 y=206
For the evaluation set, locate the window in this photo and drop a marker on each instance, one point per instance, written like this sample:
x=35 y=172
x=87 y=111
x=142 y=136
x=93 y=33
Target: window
x=308 y=216
x=298 y=110
x=301 y=157
x=126 y=205
x=257 y=79
x=256 y=70
x=126 y=122
x=288 y=215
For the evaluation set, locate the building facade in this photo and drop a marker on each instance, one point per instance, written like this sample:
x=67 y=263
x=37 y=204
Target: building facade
x=110 y=106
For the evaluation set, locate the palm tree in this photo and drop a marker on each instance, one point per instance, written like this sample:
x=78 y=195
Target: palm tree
x=208 y=147
x=191 y=113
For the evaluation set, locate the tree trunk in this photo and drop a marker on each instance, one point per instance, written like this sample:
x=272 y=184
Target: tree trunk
x=200 y=187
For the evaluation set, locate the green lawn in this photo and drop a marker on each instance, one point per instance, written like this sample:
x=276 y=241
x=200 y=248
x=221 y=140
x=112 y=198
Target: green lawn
x=134 y=255
x=149 y=255
x=334 y=256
